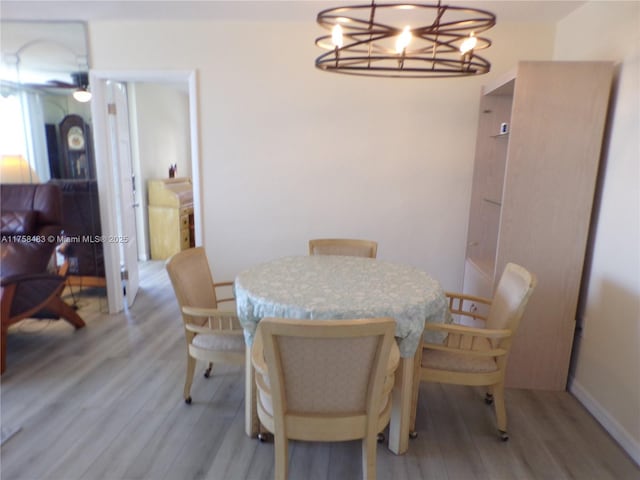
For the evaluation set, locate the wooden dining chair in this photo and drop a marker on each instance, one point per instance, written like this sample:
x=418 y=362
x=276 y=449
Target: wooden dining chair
x=325 y=381
x=212 y=335
x=343 y=246
x=478 y=356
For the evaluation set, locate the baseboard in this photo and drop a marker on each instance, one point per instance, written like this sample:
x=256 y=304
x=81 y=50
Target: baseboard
x=610 y=424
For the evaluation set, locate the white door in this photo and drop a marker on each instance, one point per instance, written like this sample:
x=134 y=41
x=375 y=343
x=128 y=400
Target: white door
x=124 y=188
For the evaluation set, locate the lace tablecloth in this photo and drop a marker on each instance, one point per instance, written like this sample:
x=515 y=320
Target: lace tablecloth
x=324 y=287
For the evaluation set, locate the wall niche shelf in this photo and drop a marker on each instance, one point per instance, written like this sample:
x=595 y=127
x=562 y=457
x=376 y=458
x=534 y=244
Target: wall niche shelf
x=532 y=206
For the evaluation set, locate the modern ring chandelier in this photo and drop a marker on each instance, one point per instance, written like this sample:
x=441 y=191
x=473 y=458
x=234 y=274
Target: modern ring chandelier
x=385 y=40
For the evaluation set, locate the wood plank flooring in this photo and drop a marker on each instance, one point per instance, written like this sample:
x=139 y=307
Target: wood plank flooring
x=105 y=403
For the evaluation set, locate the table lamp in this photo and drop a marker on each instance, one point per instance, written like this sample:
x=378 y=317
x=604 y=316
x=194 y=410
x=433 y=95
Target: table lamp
x=16 y=169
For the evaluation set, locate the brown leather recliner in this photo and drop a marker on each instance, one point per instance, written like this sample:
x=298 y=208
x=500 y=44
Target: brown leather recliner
x=30 y=230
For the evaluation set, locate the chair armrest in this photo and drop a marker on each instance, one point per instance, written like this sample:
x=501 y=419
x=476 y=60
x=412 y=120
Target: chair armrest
x=207 y=312
x=211 y=331
x=218 y=320
x=466 y=340
x=465 y=330
x=29 y=277
x=491 y=352
x=464 y=296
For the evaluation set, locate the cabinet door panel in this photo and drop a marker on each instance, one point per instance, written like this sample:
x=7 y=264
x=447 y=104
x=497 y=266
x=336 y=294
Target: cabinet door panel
x=556 y=136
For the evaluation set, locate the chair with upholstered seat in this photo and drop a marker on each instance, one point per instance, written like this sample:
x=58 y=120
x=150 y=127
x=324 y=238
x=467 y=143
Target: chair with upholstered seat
x=343 y=246
x=212 y=335
x=325 y=381
x=478 y=356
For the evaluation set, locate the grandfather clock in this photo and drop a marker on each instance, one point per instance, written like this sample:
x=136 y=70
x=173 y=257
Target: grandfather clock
x=76 y=146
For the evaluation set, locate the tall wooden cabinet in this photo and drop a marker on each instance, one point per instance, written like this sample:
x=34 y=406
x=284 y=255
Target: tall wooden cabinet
x=533 y=186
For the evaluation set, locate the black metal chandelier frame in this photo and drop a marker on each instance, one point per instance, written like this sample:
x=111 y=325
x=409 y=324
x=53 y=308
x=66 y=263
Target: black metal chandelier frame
x=435 y=49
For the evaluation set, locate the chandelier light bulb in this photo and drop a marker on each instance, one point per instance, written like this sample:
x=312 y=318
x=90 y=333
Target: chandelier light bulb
x=336 y=36
x=469 y=44
x=403 y=40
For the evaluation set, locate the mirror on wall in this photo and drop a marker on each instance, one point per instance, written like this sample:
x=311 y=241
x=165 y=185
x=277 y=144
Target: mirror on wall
x=45 y=112
x=45 y=120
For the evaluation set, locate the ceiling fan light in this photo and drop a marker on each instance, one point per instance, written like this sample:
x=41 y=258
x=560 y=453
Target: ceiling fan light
x=82 y=95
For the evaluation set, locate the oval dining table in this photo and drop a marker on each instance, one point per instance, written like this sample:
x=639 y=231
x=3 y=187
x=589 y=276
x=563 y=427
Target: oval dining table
x=326 y=287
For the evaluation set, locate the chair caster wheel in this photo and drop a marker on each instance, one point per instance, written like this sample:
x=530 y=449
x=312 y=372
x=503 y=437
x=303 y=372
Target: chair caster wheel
x=413 y=434
x=188 y=400
x=207 y=373
x=380 y=437
x=263 y=437
x=504 y=436
x=488 y=399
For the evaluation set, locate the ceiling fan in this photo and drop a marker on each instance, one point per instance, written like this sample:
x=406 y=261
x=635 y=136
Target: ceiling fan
x=78 y=83
x=78 y=80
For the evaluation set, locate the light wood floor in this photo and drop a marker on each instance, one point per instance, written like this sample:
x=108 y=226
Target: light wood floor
x=106 y=403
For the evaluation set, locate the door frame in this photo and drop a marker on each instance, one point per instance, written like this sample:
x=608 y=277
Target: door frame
x=104 y=167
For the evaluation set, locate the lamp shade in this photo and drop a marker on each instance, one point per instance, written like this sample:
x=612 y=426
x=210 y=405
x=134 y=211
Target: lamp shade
x=16 y=169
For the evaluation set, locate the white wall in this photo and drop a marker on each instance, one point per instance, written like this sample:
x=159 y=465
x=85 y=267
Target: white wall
x=160 y=119
x=163 y=129
x=606 y=375
x=289 y=152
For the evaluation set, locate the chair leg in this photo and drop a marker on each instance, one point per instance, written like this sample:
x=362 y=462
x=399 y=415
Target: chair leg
x=501 y=412
x=191 y=368
x=414 y=397
x=488 y=398
x=207 y=372
x=369 y=450
x=281 y=449
x=63 y=310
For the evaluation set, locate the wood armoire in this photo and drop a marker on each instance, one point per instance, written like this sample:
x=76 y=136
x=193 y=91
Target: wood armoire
x=540 y=137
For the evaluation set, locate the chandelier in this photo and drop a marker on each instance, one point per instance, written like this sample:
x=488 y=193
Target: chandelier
x=404 y=40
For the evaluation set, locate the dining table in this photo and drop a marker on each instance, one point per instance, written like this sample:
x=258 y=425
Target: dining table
x=328 y=287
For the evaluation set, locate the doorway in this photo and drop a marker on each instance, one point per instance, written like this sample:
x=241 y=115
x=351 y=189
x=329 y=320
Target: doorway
x=109 y=184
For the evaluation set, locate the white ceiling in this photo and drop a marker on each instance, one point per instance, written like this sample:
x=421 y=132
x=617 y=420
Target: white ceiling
x=288 y=10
